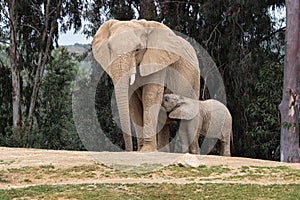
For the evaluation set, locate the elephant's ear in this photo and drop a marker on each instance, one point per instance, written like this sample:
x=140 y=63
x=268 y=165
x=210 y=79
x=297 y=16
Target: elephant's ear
x=164 y=48
x=155 y=60
x=100 y=45
x=186 y=109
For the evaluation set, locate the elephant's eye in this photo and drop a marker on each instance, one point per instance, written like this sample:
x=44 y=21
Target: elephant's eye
x=166 y=99
x=138 y=48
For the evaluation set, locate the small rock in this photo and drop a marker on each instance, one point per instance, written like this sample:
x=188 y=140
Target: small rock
x=189 y=160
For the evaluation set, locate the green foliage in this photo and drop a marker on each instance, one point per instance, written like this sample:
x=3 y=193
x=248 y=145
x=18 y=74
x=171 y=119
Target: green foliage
x=263 y=131
x=54 y=127
x=5 y=96
x=36 y=33
x=240 y=37
x=103 y=105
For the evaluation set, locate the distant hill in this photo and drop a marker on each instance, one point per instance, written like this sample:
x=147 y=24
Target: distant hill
x=79 y=49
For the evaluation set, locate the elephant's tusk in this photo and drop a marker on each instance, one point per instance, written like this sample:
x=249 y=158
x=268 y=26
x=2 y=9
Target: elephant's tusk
x=132 y=79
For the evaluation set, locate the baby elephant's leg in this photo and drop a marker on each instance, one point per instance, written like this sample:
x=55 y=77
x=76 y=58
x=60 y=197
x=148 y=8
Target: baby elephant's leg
x=225 y=144
x=226 y=137
x=225 y=148
x=183 y=135
x=191 y=132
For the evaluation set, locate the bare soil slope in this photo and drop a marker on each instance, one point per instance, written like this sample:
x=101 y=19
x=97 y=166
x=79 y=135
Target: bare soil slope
x=26 y=167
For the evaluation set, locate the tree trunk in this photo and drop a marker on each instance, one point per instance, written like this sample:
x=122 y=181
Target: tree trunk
x=289 y=108
x=16 y=94
x=44 y=52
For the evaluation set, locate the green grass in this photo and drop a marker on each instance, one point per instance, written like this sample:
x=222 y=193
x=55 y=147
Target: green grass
x=3 y=178
x=28 y=175
x=2 y=162
x=49 y=171
x=155 y=191
x=47 y=166
x=141 y=169
x=204 y=173
x=266 y=173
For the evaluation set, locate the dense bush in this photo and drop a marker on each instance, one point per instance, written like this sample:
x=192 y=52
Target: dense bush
x=53 y=125
x=262 y=135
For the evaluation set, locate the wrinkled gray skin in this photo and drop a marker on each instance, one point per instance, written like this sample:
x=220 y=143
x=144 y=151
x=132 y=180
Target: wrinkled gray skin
x=143 y=58
x=208 y=118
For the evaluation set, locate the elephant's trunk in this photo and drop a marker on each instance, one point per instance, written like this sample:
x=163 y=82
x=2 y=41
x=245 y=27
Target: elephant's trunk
x=121 y=77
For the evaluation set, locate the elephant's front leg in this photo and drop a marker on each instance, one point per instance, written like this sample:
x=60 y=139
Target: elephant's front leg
x=184 y=136
x=152 y=99
x=188 y=132
x=136 y=114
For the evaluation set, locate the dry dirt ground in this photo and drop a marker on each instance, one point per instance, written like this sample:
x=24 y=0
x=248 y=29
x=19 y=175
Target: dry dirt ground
x=21 y=167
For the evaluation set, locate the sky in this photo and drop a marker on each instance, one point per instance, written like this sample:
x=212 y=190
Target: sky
x=70 y=38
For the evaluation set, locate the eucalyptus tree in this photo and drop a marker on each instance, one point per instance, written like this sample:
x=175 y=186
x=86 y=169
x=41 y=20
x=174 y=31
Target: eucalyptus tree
x=289 y=106
x=32 y=28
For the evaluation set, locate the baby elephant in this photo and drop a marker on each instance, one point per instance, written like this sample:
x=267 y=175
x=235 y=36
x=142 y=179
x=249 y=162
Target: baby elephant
x=209 y=118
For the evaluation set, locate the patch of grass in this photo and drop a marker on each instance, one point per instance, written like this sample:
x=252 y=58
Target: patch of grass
x=266 y=173
x=244 y=169
x=38 y=176
x=2 y=162
x=155 y=191
x=202 y=171
x=81 y=172
x=47 y=166
x=131 y=170
x=26 y=180
x=18 y=170
x=3 y=177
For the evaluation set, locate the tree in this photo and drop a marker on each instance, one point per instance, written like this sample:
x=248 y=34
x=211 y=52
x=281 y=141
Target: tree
x=147 y=10
x=5 y=94
x=15 y=68
x=33 y=29
x=54 y=127
x=289 y=108
x=47 y=33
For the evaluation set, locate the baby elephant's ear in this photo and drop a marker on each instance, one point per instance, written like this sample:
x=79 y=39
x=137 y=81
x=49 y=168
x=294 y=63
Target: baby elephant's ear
x=187 y=109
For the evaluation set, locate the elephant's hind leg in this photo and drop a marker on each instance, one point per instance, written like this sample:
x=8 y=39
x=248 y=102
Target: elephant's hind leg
x=163 y=139
x=225 y=145
x=226 y=137
x=225 y=151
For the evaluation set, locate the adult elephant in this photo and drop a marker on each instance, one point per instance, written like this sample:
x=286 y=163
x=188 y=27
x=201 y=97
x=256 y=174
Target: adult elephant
x=144 y=60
